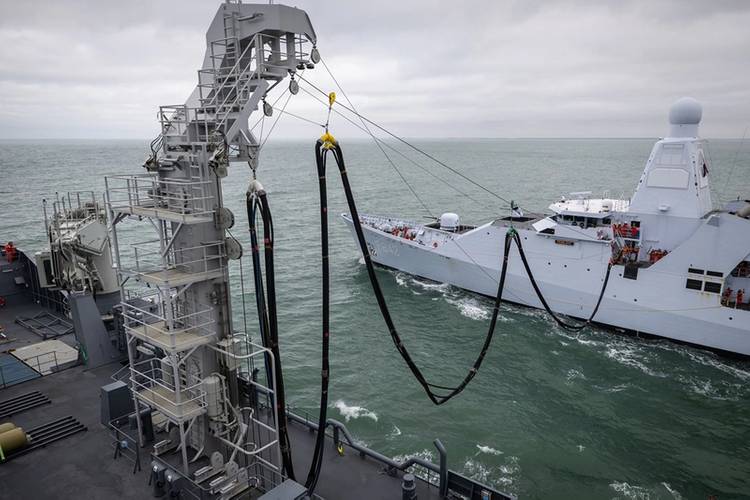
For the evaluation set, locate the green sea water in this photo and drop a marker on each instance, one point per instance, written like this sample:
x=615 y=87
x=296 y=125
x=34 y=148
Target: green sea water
x=550 y=415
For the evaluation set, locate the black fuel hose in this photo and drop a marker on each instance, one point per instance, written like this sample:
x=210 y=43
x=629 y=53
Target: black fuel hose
x=314 y=473
x=395 y=337
x=566 y=326
x=511 y=236
x=267 y=314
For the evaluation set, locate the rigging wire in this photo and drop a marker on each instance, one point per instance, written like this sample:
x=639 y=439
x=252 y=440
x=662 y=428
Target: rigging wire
x=242 y=287
x=364 y=124
x=734 y=164
x=468 y=179
x=412 y=146
x=400 y=153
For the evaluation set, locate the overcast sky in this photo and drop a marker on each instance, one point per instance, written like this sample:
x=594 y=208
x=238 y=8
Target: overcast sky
x=99 y=69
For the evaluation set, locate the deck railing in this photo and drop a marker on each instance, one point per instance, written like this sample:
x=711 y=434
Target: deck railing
x=147 y=194
x=169 y=321
x=149 y=258
x=178 y=399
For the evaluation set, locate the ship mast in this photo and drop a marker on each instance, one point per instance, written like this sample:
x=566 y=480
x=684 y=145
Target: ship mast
x=176 y=299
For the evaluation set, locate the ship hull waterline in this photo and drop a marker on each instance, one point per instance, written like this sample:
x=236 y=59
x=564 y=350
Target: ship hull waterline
x=622 y=308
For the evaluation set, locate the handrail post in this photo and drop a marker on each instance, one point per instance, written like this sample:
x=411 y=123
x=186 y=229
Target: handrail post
x=443 y=468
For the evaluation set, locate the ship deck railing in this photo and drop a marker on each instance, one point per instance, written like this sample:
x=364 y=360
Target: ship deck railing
x=156 y=387
x=381 y=221
x=177 y=200
x=169 y=329
x=176 y=267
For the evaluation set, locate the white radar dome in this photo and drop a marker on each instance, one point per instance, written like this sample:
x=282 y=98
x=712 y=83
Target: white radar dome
x=684 y=117
x=449 y=221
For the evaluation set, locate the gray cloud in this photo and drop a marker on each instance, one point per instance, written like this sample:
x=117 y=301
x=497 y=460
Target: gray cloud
x=426 y=68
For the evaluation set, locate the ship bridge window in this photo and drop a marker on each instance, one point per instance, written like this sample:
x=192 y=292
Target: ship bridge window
x=672 y=154
x=670 y=178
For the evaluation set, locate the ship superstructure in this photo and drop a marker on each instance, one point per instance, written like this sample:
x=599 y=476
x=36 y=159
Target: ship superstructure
x=185 y=358
x=680 y=268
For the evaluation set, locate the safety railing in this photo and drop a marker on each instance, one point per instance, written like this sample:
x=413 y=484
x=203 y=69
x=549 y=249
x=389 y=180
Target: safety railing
x=170 y=328
x=383 y=223
x=154 y=382
x=174 y=120
x=150 y=260
x=149 y=195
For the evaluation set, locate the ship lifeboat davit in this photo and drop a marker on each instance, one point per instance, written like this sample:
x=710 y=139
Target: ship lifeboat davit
x=449 y=222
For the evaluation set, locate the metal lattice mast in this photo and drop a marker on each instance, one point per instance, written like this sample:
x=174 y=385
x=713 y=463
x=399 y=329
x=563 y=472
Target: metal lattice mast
x=180 y=307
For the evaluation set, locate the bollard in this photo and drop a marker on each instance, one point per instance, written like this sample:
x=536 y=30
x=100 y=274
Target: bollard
x=408 y=488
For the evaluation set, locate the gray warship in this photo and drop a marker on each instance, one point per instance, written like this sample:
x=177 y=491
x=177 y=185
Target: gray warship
x=121 y=372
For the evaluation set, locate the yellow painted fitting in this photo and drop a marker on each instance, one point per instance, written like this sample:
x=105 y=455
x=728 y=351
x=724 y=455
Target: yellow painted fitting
x=13 y=439
x=7 y=426
x=329 y=141
x=331 y=98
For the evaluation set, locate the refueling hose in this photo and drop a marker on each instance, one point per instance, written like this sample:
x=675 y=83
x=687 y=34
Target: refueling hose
x=258 y=200
x=328 y=143
x=314 y=473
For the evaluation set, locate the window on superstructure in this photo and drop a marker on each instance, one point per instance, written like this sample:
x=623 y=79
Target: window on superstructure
x=694 y=284
x=710 y=286
x=672 y=154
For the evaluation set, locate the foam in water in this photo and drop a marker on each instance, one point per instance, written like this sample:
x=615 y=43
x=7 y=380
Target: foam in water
x=574 y=374
x=350 y=412
x=489 y=450
x=635 y=492
x=629 y=356
x=630 y=491
x=470 y=308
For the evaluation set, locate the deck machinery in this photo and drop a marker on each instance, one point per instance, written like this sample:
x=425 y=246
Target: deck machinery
x=184 y=355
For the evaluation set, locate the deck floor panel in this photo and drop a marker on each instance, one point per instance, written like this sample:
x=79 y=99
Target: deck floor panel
x=180 y=340
x=176 y=277
x=165 y=401
x=165 y=214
